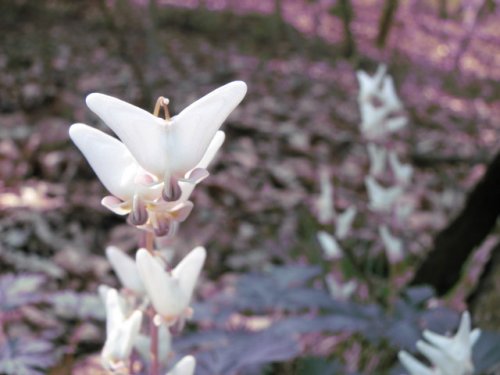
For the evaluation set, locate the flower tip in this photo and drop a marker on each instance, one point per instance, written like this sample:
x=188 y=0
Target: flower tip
x=199 y=253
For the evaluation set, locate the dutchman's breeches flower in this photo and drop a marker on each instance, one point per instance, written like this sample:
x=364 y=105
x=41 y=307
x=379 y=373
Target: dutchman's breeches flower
x=448 y=355
x=170 y=292
x=153 y=172
x=171 y=148
x=121 y=332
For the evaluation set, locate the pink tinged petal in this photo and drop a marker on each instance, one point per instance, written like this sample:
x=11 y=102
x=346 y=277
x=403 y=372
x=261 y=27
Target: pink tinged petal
x=195 y=176
x=108 y=157
x=162 y=289
x=144 y=134
x=115 y=205
x=412 y=365
x=188 y=270
x=185 y=366
x=171 y=190
x=125 y=268
x=139 y=214
x=194 y=128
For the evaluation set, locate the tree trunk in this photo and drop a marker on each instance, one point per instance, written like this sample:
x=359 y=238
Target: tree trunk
x=442 y=267
x=386 y=21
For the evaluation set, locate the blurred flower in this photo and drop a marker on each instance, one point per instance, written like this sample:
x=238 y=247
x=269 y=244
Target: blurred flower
x=170 y=149
x=379 y=104
x=377 y=159
x=381 y=199
x=402 y=172
x=369 y=86
x=132 y=187
x=185 y=366
x=126 y=269
x=324 y=204
x=393 y=246
x=170 y=292
x=121 y=332
x=329 y=245
x=338 y=290
x=448 y=355
x=343 y=222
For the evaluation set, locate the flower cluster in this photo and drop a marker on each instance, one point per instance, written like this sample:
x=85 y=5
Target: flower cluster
x=146 y=281
x=379 y=104
x=448 y=355
x=152 y=171
x=381 y=113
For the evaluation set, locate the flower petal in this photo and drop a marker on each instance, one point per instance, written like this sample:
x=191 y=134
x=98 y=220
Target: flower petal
x=108 y=157
x=162 y=289
x=188 y=270
x=195 y=127
x=143 y=133
x=185 y=366
x=125 y=268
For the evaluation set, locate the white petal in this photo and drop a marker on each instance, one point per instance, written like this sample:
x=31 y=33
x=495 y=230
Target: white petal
x=185 y=366
x=162 y=289
x=414 y=366
x=108 y=157
x=392 y=244
x=377 y=159
x=188 y=270
x=474 y=336
x=194 y=128
x=115 y=315
x=120 y=341
x=143 y=133
x=381 y=199
x=125 y=268
x=439 y=341
x=213 y=147
x=343 y=222
x=329 y=245
x=436 y=356
x=325 y=205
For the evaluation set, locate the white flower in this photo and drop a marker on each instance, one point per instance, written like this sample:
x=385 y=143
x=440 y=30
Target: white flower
x=338 y=290
x=377 y=159
x=121 y=332
x=185 y=366
x=130 y=185
x=170 y=292
x=393 y=245
x=381 y=199
x=448 y=355
x=170 y=149
x=329 y=245
x=379 y=104
x=126 y=269
x=325 y=206
x=402 y=172
x=369 y=86
x=343 y=222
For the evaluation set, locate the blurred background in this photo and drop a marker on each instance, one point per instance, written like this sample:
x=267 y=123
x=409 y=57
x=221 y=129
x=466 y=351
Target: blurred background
x=259 y=208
